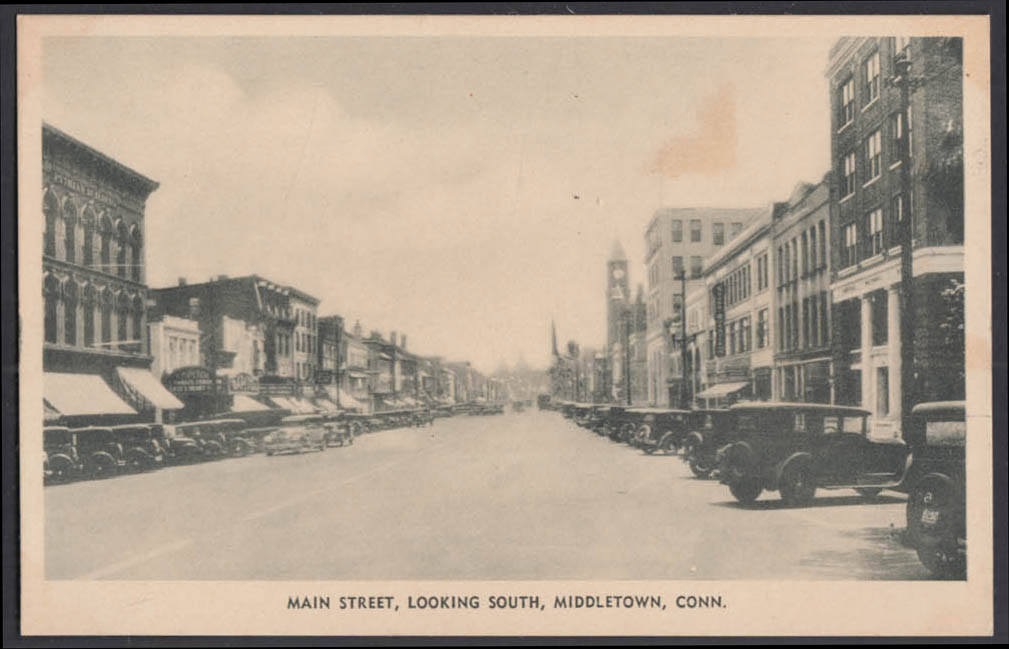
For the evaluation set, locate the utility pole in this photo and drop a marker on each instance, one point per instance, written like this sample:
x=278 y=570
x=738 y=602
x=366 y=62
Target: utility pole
x=684 y=388
x=902 y=80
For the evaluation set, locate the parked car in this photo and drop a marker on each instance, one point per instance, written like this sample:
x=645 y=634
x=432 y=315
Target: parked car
x=339 y=431
x=796 y=448
x=662 y=429
x=178 y=446
x=708 y=431
x=296 y=434
x=543 y=402
x=60 y=445
x=100 y=452
x=141 y=449
x=937 y=502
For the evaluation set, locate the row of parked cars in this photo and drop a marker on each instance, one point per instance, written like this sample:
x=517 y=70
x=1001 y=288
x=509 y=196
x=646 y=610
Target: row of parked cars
x=796 y=449
x=102 y=451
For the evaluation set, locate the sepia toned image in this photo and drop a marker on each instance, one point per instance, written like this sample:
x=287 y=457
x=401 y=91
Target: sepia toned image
x=428 y=319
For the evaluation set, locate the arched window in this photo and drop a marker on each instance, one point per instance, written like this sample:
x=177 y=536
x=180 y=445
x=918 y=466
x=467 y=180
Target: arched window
x=105 y=233
x=122 y=243
x=88 y=244
x=51 y=295
x=89 y=314
x=106 y=302
x=69 y=231
x=136 y=244
x=49 y=211
x=70 y=312
x=122 y=316
x=138 y=322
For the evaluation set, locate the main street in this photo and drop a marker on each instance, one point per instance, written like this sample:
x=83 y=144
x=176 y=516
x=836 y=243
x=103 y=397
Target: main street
x=518 y=496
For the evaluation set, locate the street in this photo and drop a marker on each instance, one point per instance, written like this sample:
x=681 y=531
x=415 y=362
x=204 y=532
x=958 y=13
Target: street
x=519 y=496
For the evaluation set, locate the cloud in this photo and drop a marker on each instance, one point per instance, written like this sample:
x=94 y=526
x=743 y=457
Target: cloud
x=711 y=149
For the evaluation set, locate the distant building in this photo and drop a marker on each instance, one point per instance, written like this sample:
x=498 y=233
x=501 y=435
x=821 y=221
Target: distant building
x=894 y=165
x=174 y=343
x=678 y=241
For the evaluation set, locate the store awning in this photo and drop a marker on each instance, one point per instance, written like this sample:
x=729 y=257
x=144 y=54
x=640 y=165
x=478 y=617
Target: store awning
x=243 y=403
x=326 y=405
x=143 y=387
x=304 y=406
x=721 y=390
x=348 y=401
x=50 y=414
x=283 y=402
x=82 y=394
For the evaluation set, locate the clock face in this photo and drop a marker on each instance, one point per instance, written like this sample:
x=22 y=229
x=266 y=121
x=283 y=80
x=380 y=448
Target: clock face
x=618 y=273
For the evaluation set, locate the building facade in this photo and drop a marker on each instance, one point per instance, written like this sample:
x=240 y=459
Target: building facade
x=678 y=242
x=801 y=278
x=304 y=308
x=898 y=164
x=174 y=343
x=740 y=356
x=95 y=352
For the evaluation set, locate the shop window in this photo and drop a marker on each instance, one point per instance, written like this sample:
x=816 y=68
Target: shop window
x=882 y=391
x=878 y=311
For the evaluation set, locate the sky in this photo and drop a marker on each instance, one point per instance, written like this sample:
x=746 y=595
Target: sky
x=462 y=191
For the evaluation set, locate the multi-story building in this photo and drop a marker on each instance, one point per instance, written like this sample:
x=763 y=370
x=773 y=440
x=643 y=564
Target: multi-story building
x=329 y=342
x=304 y=309
x=740 y=355
x=355 y=371
x=174 y=342
x=801 y=278
x=94 y=286
x=897 y=158
x=247 y=324
x=678 y=241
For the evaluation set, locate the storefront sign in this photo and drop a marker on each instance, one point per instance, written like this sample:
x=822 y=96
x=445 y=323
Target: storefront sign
x=190 y=380
x=277 y=385
x=718 y=293
x=244 y=382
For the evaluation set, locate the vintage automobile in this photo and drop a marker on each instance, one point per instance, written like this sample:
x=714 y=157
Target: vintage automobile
x=101 y=454
x=796 y=448
x=543 y=402
x=60 y=445
x=624 y=423
x=252 y=440
x=339 y=431
x=662 y=429
x=295 y=434
x=937 y=503
x=707 y=432
x=177 y=445
x=596 y=418
x=141 y=449
x=210 y=442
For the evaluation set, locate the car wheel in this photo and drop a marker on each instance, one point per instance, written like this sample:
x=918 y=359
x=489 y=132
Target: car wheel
x=101 y=466
x=269 y=453
x=745 y=490
x=669 y=447
x=933 y=529
x=798 y=485
x=869 y=493
x=700 y=466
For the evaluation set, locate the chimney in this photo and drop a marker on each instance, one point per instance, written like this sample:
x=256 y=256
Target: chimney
x=402 y=342
x=182 y=281
x=392 y=338
x=194 y=308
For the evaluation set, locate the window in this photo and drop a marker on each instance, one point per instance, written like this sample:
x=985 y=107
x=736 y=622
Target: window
x=696 y=265
x=718 y=233
x=848 y=175
x=762 y=329
x=89 y=320
x=871 y=71
x=849 y=253
x=732 y=338
x=677 y=230
x=49 y=212
x=795 y=325
x=89 y=242
x=51 y=298
x=69 y=232
x=106 y=321
x=135 y=262
x=805 y=254
x=872 y=155
x=736 y=229
x=900 y=46
x=70 y=313
x=847 y=101
x=781 y=328
x=746 y=334
x=677 y=266
x=823 y=244
x=824 y=320
x=812 y=249
x=695 y=230
x=878 y=312
x=794 y=256
x=121 y=316
x=875 y=220
x=813 y=325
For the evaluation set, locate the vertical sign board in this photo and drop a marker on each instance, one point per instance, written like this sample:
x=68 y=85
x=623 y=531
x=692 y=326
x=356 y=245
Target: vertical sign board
x=718 y=292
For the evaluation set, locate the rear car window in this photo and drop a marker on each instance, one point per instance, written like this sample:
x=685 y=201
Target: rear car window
x=945 y=433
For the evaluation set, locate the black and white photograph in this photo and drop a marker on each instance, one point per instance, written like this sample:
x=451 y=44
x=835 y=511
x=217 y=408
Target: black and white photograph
x=425 y=326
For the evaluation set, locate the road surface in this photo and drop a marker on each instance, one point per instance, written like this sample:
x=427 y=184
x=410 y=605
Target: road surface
x=520 y=496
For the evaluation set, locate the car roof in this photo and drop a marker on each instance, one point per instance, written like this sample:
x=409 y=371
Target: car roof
x=781 y=405
x=940 y=407
x=294 y=419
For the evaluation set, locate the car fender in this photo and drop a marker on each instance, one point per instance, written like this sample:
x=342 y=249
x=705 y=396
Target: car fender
x=57 y=459
x=695 y=440
x=906 y=475
x=794 y=458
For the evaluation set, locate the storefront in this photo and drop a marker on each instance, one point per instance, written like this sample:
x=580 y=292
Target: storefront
x=77 y=400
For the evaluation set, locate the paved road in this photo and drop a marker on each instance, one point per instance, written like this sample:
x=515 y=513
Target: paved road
x=519 y=496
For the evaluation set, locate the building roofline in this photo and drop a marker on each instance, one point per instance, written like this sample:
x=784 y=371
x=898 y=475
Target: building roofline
x=760 y=226
x=136 y=176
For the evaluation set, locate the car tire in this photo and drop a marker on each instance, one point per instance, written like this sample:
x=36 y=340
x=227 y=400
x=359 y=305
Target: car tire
x=937 y=545
x=797 y=484
x=746 y=491
x=101 y=466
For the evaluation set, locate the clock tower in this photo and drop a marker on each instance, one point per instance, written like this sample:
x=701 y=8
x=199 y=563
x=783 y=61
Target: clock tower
x=617 y=293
